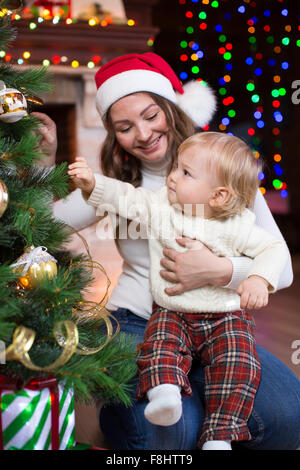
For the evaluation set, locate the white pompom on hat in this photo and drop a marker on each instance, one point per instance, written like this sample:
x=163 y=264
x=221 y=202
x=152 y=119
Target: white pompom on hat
x=149 y=72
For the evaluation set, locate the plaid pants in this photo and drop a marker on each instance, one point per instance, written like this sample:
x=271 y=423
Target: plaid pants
x=224 y=345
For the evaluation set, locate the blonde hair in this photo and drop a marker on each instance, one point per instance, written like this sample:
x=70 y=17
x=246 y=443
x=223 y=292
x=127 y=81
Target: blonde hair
x=125 y=167
x=235 y=165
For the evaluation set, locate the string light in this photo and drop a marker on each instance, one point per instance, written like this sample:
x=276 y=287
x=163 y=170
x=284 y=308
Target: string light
x=62 y=14
x=260 y=33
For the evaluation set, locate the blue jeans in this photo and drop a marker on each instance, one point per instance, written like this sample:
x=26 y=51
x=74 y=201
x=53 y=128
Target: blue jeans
x=274 y=423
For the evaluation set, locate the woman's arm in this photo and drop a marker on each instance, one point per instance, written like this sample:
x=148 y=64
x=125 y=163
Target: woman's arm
x=265 y=220
x=194 y=269
x=74 y=211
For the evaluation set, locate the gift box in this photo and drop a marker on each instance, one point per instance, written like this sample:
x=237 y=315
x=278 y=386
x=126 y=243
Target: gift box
x=38 y=416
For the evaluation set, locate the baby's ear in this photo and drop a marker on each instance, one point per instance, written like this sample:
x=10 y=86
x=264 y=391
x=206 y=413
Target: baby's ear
x=219 y=197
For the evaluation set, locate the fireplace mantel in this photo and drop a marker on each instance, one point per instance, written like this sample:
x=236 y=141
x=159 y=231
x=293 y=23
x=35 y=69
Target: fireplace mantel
x=80 y=41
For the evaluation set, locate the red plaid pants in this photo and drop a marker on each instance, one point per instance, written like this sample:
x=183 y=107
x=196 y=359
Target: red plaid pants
x=225 y=346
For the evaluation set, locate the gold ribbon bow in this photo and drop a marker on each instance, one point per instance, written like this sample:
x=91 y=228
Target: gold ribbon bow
x=23 y=339
x=65 y=332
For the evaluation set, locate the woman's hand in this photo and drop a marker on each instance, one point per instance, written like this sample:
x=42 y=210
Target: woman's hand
x=48 y=140
x=194 y=268
x=82 y=175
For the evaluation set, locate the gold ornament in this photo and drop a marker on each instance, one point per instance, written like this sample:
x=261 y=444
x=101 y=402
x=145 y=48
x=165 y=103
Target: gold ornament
x=65 y=332
x=35 y=265
x=35 y=100
x=13 y=105
x=3 y=197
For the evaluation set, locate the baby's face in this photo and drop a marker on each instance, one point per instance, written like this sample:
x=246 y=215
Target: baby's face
x=191 y=184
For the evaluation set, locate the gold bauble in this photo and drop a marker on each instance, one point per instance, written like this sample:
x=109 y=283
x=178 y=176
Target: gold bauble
x=3 y=197
x=38 y=273
x=34 y=266
x=13 y=104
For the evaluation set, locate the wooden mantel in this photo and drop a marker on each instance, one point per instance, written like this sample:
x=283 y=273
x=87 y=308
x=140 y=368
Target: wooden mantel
x=81 y=41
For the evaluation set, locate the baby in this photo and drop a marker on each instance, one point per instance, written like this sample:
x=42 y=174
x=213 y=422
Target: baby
x=207 y=197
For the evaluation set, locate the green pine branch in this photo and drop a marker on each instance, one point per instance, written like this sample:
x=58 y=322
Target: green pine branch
x=24 y=152
x=7 y=32
x=30 y=82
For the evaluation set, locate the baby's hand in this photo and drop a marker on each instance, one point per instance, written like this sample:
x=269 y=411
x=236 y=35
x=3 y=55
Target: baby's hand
x=82 y=175
x=254 y=292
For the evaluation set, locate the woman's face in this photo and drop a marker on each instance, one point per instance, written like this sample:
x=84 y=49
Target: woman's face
x=140 y=126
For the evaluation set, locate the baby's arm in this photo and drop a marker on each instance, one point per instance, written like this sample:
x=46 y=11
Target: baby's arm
x=242 y=264
x=269 y=259
x=117 y=196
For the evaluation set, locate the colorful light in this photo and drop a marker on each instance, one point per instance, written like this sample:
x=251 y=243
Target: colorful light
x=255 y=98
x=278 y=116
x=261 y=34
x=250 y=86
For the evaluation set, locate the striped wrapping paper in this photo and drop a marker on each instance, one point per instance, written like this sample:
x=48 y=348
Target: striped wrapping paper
x=29 y=416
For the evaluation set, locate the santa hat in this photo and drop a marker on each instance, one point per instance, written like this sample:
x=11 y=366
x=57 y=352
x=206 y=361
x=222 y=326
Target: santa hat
x=134 y=73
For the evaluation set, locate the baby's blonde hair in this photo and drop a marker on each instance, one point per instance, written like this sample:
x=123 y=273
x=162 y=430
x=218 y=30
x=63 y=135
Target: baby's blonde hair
x=235 y=166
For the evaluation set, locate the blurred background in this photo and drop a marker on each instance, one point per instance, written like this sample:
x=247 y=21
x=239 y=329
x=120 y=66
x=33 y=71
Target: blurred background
x=248 y=52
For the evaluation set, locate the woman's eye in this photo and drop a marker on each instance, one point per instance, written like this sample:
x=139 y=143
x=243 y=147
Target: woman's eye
x=153 y=116
x=186 y=173
x=124 y=130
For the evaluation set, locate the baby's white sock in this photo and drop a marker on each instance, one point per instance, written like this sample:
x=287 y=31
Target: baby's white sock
x=164 y=407
x=217 y=445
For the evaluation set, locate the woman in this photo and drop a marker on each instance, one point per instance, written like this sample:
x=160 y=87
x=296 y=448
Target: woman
x=141 y=102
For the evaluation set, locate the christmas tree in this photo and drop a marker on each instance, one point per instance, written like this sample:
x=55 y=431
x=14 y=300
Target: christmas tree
x=46 y=325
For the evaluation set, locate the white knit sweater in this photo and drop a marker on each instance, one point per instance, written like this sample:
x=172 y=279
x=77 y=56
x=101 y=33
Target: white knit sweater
x=133 y=288
x=161 y=223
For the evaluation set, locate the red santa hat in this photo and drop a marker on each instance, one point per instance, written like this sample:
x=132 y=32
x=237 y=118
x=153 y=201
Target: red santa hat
x=134 y=73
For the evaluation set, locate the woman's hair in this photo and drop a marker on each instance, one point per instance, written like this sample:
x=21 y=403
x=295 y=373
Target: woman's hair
x=235 y=165
x=117 y=163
